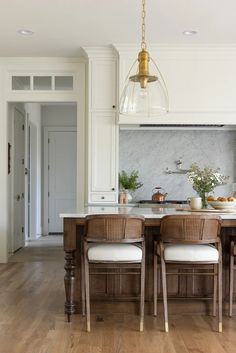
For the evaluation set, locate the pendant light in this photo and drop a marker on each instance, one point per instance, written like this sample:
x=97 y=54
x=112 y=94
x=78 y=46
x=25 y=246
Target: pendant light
x=144 y=94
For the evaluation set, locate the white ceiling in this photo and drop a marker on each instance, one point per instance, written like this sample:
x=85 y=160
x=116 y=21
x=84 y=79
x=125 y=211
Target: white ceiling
x=62 y=26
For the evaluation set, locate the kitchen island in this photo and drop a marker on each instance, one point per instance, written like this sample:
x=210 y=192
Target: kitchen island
x=117 y=287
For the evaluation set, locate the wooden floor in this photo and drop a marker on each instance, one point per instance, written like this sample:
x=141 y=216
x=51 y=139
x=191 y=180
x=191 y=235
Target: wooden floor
x=32 y=316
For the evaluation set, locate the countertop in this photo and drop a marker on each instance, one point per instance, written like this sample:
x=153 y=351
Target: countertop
x=146 y=212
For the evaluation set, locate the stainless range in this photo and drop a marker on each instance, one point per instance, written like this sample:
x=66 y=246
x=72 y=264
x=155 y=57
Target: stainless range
x=161 y=204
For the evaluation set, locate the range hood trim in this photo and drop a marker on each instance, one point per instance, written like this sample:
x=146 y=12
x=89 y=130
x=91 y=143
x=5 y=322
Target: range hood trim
x=202 y=127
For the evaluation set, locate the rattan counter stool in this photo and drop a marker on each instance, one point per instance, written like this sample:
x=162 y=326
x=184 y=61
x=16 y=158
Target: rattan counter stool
x=114 y=240
x=190 y=241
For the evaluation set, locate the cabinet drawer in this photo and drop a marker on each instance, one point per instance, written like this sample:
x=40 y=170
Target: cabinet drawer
x=103 y=197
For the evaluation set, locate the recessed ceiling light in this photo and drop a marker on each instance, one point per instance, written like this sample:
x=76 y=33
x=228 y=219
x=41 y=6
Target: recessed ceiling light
x=189 y=33
x=25 y=32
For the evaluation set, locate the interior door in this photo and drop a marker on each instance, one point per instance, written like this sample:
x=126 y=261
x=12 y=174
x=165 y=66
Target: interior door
x=19 y=179
x=61 y=177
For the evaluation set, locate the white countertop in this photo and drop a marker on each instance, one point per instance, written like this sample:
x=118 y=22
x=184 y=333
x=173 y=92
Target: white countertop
x=146 y=212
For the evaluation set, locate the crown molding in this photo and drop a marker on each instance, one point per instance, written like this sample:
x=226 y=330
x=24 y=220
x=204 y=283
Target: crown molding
x=100 y=52
x=33 y=60
x=131 y=49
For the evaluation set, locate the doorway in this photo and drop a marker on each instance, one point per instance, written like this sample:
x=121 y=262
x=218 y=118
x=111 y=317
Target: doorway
x=42 y=174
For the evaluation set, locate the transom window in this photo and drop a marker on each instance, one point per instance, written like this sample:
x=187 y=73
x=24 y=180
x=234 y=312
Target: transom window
x=42 y=83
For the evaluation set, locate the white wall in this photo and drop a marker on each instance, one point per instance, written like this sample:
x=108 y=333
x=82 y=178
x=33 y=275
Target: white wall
x=59 y=115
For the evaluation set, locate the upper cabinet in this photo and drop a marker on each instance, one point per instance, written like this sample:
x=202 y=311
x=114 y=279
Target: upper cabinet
x=103 y=92
x=103 y=152
x=200 y=82
x=102 y=127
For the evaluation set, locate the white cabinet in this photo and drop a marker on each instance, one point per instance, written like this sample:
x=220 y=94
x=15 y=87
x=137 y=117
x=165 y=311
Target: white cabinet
x=102 y=127
x=103 y=152
x=103 y=84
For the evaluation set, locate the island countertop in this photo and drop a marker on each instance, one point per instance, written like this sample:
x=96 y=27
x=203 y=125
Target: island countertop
x=148 y=213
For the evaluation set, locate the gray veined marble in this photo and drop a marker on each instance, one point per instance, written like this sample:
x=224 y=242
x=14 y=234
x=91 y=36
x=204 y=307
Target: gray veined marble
x=150 y=152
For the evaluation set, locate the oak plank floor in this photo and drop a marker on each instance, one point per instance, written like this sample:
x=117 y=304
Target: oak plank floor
x=32 y=316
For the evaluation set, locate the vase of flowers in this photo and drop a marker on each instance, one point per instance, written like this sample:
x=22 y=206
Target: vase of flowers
x=205 y=180
x=129 y=182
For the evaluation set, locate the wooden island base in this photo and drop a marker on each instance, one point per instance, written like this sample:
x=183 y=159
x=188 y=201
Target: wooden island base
x=126 y=288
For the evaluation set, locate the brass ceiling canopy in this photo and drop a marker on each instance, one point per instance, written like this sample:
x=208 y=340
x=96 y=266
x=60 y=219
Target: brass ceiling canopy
x=144 y=93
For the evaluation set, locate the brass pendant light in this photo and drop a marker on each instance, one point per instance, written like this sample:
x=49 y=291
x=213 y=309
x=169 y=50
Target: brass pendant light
x=144 y=94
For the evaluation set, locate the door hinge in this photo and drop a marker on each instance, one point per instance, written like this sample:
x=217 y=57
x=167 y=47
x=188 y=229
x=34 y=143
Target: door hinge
x=48 y=193
x=22 y=195
x=48 y=220
x=23 y=127
x=22 y=229
x=23 y=161
x=48 y=140
x=48 y=167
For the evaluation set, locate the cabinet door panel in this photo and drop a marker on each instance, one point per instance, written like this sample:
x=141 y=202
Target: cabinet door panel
x=103 y=152
x=103 y=84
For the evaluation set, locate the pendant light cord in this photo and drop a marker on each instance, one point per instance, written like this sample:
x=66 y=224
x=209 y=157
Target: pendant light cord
x=143 y=42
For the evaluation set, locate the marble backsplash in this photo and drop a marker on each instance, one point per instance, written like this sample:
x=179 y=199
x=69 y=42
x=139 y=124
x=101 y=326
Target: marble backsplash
x=151 y=152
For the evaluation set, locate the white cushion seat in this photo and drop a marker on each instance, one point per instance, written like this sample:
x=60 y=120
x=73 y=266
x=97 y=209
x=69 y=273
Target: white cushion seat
x=114 y=252
x=190 y=252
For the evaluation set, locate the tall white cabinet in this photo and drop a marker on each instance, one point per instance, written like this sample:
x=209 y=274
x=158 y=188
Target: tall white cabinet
x=102 y=128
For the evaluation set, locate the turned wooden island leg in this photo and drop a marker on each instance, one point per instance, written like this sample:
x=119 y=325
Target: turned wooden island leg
x=69 y=281
x=70 y=265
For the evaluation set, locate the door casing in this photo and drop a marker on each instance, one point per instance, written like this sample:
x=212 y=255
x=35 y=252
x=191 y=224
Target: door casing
x=19 y=179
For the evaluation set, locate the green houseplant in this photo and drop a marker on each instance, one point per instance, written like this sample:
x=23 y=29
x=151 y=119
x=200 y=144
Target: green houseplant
x=205 y=180
x=130 y=181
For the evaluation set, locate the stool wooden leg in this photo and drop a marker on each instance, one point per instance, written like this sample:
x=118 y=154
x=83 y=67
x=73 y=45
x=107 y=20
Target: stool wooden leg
x=214 y=291
x=142 y=288
x=87 y=294
x=155 y=281
x=231 y=278
x=220 y=293
x=82 y=281
x=164 y=289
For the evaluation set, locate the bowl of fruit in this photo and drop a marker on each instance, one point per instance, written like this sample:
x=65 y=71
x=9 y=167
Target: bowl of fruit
x=222 y=203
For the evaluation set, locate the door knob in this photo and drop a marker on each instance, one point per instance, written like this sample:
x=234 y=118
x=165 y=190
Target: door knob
x=17 y=197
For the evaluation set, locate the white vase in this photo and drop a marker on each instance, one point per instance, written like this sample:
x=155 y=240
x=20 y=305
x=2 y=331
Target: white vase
x=130 y=198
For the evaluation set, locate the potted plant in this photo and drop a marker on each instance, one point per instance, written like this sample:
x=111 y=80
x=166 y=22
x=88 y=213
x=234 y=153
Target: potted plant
x=205 y=180
x=129 y=182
